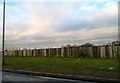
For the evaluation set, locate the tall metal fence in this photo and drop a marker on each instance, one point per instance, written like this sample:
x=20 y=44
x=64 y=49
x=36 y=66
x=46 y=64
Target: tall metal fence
x=85 y=52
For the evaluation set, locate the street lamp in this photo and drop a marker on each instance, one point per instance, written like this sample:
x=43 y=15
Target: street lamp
x=3 y=40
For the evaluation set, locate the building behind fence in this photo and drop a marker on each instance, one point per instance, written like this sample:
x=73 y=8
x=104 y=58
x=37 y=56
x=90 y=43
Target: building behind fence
x=85 y=52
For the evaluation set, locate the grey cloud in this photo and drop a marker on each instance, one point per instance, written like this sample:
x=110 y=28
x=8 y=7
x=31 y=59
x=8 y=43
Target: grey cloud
x=53 y=43
x=96 y=22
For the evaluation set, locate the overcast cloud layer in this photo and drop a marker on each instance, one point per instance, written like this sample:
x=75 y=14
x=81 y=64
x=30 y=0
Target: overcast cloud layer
x=52 y=24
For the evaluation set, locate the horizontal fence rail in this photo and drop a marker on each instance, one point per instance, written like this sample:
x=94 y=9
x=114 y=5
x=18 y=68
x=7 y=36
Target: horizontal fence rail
x=84 y=52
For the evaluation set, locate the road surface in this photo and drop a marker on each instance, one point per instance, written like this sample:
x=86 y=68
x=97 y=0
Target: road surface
x=9 y=76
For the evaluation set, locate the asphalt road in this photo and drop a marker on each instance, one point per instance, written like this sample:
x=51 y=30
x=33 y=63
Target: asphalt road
x=15 y=77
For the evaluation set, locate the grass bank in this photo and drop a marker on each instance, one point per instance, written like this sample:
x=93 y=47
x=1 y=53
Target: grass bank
x=105 y=68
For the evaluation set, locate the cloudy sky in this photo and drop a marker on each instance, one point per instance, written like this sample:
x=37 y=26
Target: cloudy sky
x=42 y=23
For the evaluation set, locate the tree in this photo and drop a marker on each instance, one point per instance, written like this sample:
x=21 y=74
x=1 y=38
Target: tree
x=87 y=44
x=116 y=43
x=67 y=45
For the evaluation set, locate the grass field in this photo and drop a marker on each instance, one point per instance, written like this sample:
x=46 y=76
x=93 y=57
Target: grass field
x=105 y=68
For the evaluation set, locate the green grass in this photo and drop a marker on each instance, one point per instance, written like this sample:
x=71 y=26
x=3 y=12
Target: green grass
x=71 y=66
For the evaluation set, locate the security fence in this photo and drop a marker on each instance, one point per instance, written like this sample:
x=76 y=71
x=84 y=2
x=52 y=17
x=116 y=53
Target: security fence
x=85 y=52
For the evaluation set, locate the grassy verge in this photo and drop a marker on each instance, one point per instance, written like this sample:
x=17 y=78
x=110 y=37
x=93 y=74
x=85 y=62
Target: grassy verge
x=105 y=68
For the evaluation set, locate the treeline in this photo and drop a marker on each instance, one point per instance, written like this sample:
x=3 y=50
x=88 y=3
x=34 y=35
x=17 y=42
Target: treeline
x=114 y=43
